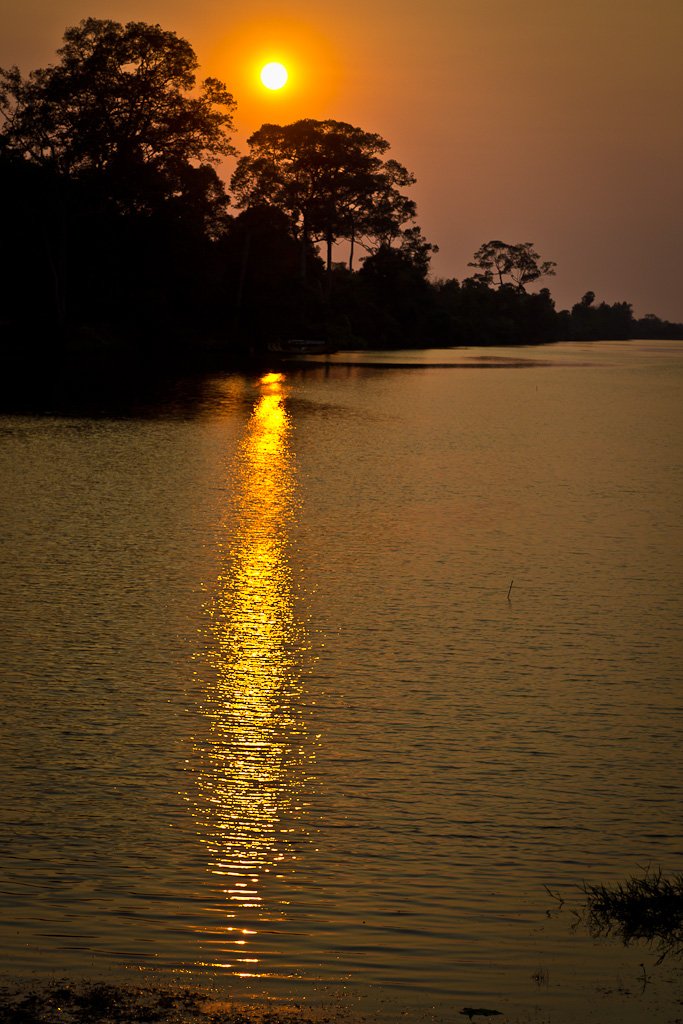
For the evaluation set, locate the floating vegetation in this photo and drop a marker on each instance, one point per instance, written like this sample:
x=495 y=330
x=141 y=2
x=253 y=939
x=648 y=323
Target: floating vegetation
x=648 y=907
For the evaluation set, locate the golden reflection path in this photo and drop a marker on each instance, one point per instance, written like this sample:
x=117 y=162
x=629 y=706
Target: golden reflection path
x=254 y=763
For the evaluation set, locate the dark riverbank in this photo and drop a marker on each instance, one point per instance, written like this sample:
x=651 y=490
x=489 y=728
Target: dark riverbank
x=72 y=1002
x=83 y=371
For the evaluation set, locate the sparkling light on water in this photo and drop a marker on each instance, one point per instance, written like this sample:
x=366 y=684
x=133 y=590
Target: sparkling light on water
x=256 y=744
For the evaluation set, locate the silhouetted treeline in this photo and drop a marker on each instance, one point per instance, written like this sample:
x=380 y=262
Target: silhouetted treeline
x=79 y=275
x=121 y=254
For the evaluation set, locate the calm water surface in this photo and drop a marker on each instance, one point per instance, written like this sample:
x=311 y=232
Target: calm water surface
x=273 y=720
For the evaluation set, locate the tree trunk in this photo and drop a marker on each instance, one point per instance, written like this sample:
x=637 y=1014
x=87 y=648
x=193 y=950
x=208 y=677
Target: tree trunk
x=304 y=248
x=243 y=275
x=57 y=264
x=328 y=280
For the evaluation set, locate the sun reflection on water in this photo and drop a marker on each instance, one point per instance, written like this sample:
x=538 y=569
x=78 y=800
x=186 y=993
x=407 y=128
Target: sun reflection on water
x=254 y=759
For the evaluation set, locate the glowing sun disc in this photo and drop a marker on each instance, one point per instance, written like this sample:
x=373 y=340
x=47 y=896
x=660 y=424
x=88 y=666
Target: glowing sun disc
x=274 y=75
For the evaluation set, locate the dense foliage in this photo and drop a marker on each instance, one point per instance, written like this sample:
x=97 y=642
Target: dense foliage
x=118 y=115
x=330 y=180
x=118 y=243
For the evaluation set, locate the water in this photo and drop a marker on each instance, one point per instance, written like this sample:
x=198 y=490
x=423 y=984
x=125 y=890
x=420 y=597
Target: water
x=273 y=718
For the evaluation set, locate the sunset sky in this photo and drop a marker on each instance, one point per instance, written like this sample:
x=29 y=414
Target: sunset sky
x=552 y=121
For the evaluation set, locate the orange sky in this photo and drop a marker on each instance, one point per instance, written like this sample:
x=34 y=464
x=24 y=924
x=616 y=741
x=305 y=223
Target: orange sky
x=556 y=122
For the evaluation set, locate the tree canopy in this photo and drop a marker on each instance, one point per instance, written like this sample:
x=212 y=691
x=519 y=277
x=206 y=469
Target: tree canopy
x=330 y=179
x=497 y=260
x=116 y=110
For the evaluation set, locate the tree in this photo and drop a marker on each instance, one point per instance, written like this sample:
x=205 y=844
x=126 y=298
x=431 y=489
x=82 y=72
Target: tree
x=261 y=258
x=497 y=260
x=115 y=111
x=375 y=217
x=415 y=247
x=329 y=178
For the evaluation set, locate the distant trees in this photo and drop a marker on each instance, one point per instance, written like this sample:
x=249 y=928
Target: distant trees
x=587 y=321
x=497 y=261
x=479 y=315
x=115 y=112
x=330 y=179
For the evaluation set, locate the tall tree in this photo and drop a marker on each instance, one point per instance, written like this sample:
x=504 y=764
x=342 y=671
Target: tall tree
x=329 y=178
x=495 y=261
x=117 y=110
x=375 y=216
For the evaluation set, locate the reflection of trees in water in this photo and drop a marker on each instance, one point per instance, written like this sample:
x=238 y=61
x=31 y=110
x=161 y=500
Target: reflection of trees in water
x=253 y=761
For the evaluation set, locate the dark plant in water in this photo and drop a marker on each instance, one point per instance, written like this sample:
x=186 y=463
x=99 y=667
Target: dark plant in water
x=649 y=907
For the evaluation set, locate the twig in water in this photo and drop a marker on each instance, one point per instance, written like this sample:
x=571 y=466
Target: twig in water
x=645 y=978
x=510 y=589
x=555 y=895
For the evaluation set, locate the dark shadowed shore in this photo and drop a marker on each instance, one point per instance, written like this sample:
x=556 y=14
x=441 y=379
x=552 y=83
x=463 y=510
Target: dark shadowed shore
x=69 y=1002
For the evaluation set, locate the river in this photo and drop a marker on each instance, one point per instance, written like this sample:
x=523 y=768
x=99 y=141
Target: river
x=313 y=683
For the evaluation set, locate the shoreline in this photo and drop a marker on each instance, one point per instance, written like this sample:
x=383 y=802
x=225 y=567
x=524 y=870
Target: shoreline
x=69 y=1001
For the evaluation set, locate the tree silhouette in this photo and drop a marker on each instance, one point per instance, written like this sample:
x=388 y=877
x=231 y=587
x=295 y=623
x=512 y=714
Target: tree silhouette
x=115 y=111
x=497 y=260
x=329 y=178
x=375 y=216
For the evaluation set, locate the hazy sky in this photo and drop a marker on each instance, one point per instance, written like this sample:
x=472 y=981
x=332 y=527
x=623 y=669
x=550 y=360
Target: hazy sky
x=557 y=122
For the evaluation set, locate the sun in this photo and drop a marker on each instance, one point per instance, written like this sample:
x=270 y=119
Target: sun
x=274 y=75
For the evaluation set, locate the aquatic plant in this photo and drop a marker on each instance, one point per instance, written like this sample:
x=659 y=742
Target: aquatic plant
x=649 y=907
